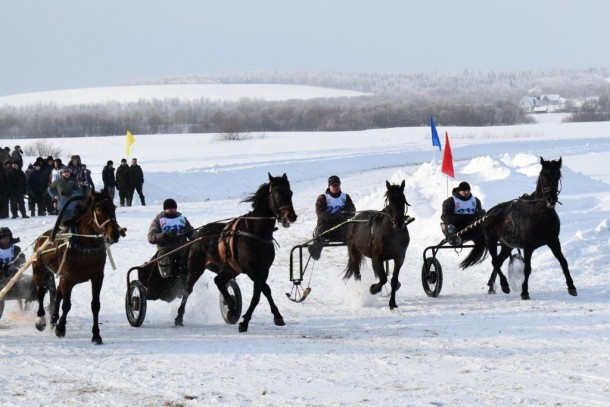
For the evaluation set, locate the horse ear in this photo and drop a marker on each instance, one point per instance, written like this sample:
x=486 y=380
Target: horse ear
x=387 y=185
x=559 y=161
x=402 y=186
x=284 y=177
x=541 y=160
x=270 y=177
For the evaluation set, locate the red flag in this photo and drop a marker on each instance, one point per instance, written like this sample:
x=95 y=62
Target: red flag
x=447 y=166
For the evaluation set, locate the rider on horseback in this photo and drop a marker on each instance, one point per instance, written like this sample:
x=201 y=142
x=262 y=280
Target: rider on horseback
x=459 y=211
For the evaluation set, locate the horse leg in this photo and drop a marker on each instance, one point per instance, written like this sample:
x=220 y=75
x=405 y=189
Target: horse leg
x=527 y=270
x=41 y=321
x=221 y=280
x=555 y=247
x=493 y=251
x=59 y=296
x=96 y=288
x=256 y=296
x=353 y=263
x=64 y=292
x=380 y=273
x=395 y=283
x=190 y=283
x=499 y=261
x=277 y=317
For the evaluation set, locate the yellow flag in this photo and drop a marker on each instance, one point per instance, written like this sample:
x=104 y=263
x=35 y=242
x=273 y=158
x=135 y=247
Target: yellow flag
x=130 y=140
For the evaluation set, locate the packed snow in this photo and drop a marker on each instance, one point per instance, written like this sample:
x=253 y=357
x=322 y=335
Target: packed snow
x=341 y=346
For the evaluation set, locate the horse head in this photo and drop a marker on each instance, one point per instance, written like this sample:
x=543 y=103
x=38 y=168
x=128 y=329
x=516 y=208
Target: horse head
x=397 y=204
x=104 y=218
x=280 y=200
x=549 y=181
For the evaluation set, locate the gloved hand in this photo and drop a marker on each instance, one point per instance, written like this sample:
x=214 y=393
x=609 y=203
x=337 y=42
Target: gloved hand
x=170 y=235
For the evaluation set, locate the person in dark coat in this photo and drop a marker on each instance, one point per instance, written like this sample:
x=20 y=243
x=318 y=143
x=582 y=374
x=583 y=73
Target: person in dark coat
x=17 y=186
x=16 y=156
x=4 y=191
x=108 y=178
x=124 y=183
x=333 y=207
x=137 y=177
x=37 y=190
x=460 y=210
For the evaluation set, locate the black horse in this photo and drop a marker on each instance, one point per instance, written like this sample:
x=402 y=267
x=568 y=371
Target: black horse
x=526 y=223
x=77 y=256
x=245 y=246
x=381 y=236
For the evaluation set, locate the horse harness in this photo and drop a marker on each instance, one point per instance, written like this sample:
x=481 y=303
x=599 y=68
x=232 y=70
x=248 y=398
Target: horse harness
x=226 y=242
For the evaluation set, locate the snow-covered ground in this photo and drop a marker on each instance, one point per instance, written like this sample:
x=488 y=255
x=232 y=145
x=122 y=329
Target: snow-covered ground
x=210 y=92
x=341 y=346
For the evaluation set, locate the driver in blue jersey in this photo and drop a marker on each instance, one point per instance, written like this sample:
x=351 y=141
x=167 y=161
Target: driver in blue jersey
x=460 y=210
x=333 y=207
x=169 y=230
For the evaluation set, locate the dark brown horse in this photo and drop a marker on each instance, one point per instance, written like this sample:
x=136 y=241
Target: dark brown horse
x=245 y=246
x=76 y=256
x=526 y=223
x=381 y=236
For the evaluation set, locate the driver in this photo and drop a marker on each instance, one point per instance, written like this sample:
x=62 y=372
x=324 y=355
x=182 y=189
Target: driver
x=11 y=259
x=459 y=210
x=169 y=230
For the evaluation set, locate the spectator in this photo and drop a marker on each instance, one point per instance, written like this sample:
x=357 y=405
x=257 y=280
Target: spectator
x=17 y=186
x=63 y=188
x=82 y=175
x=108 y=178
x=137 y=177
x=37 y=188
x=124 y=183
x=16 y=156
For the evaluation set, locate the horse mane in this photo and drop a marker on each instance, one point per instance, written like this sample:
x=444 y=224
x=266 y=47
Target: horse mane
x=259 y=197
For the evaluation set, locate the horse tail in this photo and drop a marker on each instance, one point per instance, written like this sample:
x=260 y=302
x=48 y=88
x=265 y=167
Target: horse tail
x=353 y=264
x=478 y=252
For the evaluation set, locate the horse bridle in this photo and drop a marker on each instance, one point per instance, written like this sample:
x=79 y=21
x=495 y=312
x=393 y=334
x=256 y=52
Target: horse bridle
x=95 y=221
x=394 y=222
x=550 y=194
x=274 y=205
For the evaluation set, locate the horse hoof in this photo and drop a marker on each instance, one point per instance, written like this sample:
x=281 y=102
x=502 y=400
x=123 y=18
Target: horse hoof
x=491 y=290
x=374 y=290
x=525 y=296
x=97 y=341
x=572 y=291
x=393 y=307
x=506 y=289
x=178 y=322
x=279 y=321
x=41 y=324
x=243 y=327
x=60 y=333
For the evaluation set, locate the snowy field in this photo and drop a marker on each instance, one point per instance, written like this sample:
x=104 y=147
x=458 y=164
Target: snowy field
x=342 y=346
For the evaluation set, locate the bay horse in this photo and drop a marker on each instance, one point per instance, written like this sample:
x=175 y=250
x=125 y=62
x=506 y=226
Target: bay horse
x=244 y=245
x=76 y=256
x=381 y=236
x=526 y=223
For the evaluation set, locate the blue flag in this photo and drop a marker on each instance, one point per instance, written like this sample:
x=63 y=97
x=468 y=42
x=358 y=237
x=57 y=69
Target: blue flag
x=435 y=139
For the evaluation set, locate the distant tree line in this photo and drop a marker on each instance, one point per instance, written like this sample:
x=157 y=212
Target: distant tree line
x=595 y=110
x=175 y=116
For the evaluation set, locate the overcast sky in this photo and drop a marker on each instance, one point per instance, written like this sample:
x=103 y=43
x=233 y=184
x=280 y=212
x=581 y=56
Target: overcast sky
x=65 y=44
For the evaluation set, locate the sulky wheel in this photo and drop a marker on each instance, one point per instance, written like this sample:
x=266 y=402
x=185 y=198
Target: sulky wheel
x=135 y=303
x=432 y=277
x=235 y=293
x=1 y=307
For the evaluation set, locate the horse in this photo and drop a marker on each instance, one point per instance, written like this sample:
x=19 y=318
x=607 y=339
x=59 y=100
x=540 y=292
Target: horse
x=381 y=236
x=243 y=245
x=526 y=223
x=76 y=257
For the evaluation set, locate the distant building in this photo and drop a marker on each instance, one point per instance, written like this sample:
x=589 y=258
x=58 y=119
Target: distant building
x=542 y=103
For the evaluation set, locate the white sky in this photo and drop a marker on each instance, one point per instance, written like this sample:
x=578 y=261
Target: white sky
x=68 y=44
